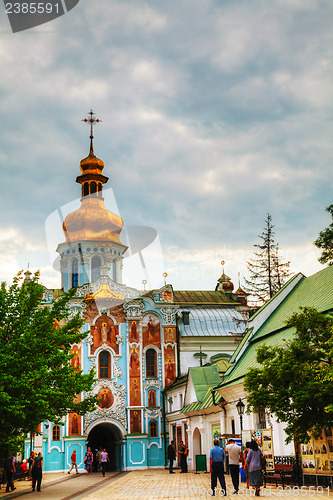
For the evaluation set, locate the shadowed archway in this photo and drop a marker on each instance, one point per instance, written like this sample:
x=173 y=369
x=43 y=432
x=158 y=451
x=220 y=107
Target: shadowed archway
x=108 y=436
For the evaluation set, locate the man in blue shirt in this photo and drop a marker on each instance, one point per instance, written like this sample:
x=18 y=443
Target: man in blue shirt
x=217 y=457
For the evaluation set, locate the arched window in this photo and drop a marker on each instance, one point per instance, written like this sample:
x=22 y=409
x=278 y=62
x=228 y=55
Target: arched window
x=104 y=369
x=151 y=363
x=85 y=189
x=75 y=273
x=99 y=188
x=56 y=433
x=152 y=429
x=151 y=398
x=93 y=187
x=114 y=270
x=95 y=265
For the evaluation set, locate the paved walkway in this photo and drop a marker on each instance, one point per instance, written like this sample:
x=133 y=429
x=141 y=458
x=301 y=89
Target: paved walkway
x=150 y=484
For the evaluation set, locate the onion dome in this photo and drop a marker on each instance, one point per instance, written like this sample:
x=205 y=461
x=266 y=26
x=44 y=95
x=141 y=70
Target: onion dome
x=240 y=291
x=228 y=286
x=92 y=222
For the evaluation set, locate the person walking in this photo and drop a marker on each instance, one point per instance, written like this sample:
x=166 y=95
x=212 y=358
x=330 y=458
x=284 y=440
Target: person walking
x=37 y=472
x=104 y=460
x=98 y=459
x=234 y=453
x=88 y=460
x=74 y=463
x=10 y=471
x=171 y=456
x=217 y=457
x=245 y=452
x=253 y=465
x=183 y=457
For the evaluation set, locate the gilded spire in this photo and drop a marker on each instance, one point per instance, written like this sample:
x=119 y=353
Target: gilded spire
x=92 y=121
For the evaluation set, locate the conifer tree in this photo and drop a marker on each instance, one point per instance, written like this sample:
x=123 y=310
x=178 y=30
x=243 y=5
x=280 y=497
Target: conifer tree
x=325 y=242
x=268 y=272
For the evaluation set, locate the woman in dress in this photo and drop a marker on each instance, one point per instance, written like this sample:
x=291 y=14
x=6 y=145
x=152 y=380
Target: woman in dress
x=253 y=467
x=88 y=460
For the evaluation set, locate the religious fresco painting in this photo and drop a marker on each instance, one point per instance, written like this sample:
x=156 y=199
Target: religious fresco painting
x=151 y=333
x=74 y=424
x=104 y=332
x=169 y=334
x=90 y=312
x=106 y=397
x=152 y=398
x=133 y=331
x=134 y=373
x=135 y=421
x=169 y=365
x=76 y=360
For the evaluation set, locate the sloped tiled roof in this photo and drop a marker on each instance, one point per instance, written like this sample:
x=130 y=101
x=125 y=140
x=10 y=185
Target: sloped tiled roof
x=202 y=297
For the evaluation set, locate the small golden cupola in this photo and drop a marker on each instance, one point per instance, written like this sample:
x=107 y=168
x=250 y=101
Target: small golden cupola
x=92 y=232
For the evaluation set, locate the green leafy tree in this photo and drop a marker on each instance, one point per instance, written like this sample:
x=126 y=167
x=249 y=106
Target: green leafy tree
x=37 y=380
x=294 y=380
x=267 y=271
x=325 y=242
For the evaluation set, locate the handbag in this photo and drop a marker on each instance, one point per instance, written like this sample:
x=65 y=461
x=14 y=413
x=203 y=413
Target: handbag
x=263 y=462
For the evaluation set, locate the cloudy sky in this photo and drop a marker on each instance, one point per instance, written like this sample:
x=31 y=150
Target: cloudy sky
x=214 y=112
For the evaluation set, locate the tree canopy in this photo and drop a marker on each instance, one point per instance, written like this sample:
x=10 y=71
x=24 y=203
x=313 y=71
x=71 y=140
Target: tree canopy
x=268 y=272
x=37 y=380
x=325 y=242
x=294 y=380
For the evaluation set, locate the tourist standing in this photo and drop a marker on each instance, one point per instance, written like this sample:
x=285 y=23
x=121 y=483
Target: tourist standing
x=10 y=471
x=171 y=456
x=253 y=464
x=217 y=457
x=233 y=451
x=30 y=462
x=37 y=472
x=88 y=460
x=74 y=463
x=183 y=457
x=104 y=460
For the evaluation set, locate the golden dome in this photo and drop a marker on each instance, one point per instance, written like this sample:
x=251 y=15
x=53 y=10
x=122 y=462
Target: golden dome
x=91 y=164
x=92 y=222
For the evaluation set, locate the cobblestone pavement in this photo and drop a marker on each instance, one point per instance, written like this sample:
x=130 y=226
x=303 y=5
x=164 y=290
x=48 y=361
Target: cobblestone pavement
x=150 y=484
x=158 y=483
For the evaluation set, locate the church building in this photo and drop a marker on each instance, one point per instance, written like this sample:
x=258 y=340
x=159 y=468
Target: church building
x=133 y=339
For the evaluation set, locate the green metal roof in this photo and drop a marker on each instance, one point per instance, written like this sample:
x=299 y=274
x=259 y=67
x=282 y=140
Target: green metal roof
x=203 y=378
x=275 y=295
x=248 y=359
x=206 y=403
x=315 y=291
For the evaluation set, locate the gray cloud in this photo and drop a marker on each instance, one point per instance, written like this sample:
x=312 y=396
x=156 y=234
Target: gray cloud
x=214 y=113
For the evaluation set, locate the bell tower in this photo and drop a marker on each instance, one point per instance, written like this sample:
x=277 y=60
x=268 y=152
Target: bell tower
x=92 y=232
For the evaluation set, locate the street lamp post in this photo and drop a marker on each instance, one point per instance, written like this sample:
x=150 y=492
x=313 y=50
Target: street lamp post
x=240 y=410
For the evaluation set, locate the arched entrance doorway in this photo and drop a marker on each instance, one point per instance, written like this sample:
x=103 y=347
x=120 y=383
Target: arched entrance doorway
x=196 y=443
x=108 y=436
